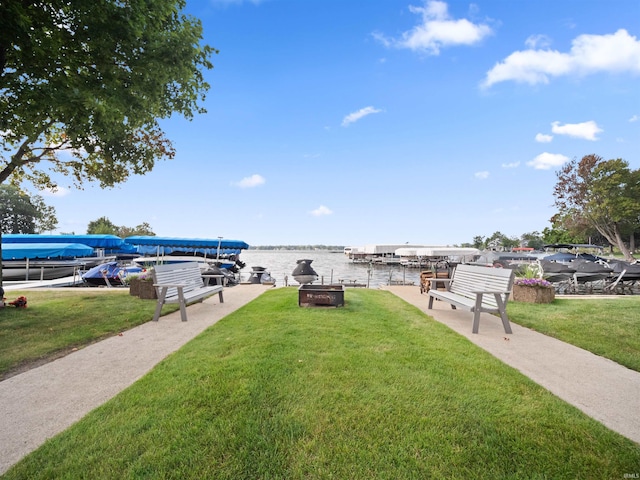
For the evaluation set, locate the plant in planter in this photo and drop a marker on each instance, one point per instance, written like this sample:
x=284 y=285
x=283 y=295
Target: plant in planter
x=147 y=290
x=141 y=284
x=530 y=287
x=133 y=280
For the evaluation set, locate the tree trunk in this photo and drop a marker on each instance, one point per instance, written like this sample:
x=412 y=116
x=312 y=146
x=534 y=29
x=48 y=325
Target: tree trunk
x=614 y=238
x=622 y=246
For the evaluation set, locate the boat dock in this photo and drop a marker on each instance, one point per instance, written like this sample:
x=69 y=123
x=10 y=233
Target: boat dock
x=71 y=281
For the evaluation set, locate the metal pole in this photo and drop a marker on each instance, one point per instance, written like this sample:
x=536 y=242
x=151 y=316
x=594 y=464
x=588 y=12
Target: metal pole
x=218 y=253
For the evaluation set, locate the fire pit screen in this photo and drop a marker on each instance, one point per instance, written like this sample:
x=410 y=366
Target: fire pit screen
x=321 y=296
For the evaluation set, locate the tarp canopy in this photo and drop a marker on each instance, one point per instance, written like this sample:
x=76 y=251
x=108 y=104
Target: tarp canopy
x=150 y=245
x=95 y=241
x=20 y=251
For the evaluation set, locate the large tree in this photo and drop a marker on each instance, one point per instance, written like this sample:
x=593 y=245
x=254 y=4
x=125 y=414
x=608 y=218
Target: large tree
x=23 y=213
x=84 y=83
x=604 y=194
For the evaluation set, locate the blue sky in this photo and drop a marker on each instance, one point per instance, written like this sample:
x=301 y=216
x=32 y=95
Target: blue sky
x=357 y=122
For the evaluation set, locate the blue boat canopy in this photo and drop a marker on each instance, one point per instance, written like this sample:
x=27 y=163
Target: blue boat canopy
x=95 y=241
x=150 y=245
x=21 y=251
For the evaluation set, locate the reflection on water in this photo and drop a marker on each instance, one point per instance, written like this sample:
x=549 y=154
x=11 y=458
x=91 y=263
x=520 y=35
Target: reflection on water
x=331 y=268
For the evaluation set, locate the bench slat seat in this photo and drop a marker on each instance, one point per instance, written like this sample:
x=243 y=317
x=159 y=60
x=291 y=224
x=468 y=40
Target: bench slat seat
x=181 y=283
x=477 y=289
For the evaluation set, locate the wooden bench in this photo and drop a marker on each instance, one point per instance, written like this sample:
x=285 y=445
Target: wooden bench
x=477 y=289
x=181 y=283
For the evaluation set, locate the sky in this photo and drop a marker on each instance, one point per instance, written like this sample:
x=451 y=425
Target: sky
x=346 y=122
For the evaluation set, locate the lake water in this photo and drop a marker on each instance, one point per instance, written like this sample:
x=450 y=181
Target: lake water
x=331 y=267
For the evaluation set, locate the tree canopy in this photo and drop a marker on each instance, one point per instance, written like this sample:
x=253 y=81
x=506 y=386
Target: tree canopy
x=105 y=226
x=84 y=83
x=601 y=194
x=21 y=213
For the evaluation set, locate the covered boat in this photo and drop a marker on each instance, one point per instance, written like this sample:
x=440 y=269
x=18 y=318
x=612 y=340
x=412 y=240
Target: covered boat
x=624 y=270
x=556 y=272
x=588 y=271
x=42 y=261
x=95 y=241
x=110 y=274
x=209 y=252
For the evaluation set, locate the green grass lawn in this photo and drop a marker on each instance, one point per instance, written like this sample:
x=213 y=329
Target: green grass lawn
x=57 y=321
x=606 y=327
x=375 y=389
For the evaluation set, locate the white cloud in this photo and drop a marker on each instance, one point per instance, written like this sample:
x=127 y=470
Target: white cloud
x=437 y=30
x=250 y=182
x=542 y=138
x=585 y=130
x=614 y=53
x=537 y=41
x=355 y=116
x=511 y=165
x=481 y=175
x=320 y=211
x=634 y=118
x=56 y=192
x=546 y=160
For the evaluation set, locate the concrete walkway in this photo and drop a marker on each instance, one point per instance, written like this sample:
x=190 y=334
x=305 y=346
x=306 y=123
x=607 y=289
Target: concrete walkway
x=44 y=401
x=601 y=388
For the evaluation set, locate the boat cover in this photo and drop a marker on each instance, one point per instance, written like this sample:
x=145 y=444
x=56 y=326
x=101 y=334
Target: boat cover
x=95 y=241
x=151 y=245
x=19 y=251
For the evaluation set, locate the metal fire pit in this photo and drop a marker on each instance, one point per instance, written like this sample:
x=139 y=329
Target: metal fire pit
x=321 y=296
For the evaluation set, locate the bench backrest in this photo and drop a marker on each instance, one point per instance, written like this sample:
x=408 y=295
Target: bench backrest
x=184 y=273
x=473 y=278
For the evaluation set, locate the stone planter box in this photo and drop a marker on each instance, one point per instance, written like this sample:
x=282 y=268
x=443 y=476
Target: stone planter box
x=529 y=294
x=321 y=296
x=147 y=290
x=134 y=287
